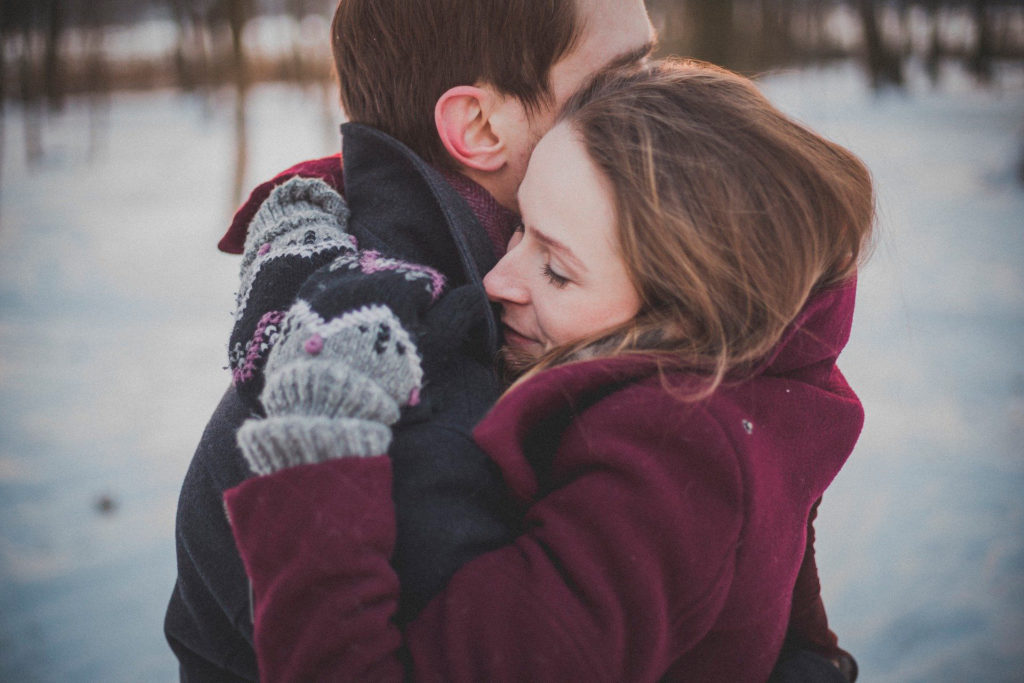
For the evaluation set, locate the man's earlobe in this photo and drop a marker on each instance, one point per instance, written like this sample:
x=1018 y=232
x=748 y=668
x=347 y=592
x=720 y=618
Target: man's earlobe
x=462 y=117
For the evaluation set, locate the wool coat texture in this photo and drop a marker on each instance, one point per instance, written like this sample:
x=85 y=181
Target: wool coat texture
x=661 y=538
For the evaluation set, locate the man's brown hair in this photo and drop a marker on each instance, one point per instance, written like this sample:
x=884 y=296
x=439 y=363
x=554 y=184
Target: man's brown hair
x=395 y=58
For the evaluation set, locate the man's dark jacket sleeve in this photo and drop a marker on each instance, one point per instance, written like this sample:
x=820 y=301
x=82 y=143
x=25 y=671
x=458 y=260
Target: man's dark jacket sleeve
x=208 y=623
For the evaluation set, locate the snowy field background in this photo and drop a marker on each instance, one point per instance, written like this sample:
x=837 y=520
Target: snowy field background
x=115 y=309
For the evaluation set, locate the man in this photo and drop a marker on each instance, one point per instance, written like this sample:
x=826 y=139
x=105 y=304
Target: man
x=470 y=87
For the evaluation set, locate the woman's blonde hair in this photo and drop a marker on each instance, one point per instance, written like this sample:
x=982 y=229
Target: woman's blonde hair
x=729 y=214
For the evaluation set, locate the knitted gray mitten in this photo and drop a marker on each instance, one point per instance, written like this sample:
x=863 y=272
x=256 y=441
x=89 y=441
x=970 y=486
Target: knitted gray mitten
x=297 y=230
x=333 y=388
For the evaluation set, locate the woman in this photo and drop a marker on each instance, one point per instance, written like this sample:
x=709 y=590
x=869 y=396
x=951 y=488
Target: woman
x=676 y=299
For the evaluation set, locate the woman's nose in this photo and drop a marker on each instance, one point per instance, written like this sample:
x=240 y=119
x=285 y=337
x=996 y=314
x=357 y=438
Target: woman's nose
x=503 y=284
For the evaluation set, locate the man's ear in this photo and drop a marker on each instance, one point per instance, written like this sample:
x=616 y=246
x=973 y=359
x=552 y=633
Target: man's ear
x=463 y=119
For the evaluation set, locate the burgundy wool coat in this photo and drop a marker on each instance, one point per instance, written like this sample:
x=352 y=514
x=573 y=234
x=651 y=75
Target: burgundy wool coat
x=662 y=539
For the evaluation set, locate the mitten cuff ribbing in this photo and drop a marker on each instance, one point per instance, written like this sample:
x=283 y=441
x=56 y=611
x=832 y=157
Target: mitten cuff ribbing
x=276 y=443
x=322 y=388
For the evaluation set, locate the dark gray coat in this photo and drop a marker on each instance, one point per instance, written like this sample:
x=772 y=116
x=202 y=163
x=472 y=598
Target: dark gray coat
x=450 y=500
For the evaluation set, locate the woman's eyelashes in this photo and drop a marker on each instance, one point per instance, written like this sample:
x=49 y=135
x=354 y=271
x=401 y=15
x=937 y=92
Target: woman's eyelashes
x=553 y=277
x=549 y=273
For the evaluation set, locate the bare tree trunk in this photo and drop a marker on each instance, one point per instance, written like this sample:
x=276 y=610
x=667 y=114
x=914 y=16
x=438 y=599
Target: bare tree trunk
x=53 y=79
x=296 y=9
x=237 y=15
x=331 y=106
x=713 y=30
x=241 y=149
x=820 y=42
x=670 y=16
x=99 y=87
x=981 y=61
x=884 y=67
x=935 y=50
x=4 y=25
x=202 y=47
x=31 y=109
x=186 y=79
x=1020 y=166
x=776 y=41
x=905 y=42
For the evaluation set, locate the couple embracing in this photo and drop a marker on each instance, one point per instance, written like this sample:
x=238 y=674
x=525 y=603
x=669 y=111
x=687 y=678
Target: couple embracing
x=536 y=380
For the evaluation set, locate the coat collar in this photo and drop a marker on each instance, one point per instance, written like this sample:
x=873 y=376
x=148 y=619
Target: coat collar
x=409 y=208
x=817 y=335
x=405 y=208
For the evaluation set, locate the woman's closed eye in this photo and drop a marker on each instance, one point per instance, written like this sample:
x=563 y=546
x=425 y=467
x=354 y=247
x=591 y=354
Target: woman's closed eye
x=553 y=277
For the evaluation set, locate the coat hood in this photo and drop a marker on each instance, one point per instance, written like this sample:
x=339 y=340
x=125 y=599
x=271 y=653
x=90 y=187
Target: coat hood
x=817 y=335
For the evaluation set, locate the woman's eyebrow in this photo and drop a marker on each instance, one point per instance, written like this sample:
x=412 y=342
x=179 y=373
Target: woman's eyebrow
x=563 y=250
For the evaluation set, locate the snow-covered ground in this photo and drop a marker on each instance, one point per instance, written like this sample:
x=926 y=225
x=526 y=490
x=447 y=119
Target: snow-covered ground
x=922 y=535
x=114 y=311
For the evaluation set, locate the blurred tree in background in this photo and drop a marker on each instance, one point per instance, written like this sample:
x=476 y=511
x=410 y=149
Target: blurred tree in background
x=751 y=35
x=53 y=49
